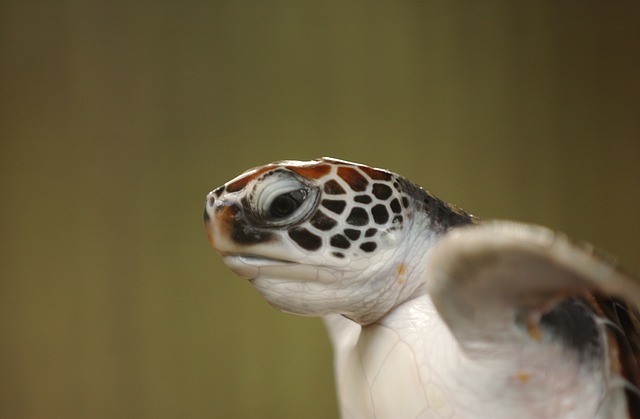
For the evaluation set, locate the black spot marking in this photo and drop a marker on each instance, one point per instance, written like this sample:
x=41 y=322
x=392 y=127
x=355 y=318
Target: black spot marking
x=352 y=233
x=338 y=254
x=368 y=246
x=323 y=222
x=333 y=188
x=333 y=205
x=397 y=219
x=305 y=239
x=405 y=202
x=340 y=241
x=382 y=191
x=358 y=217
x=395 y=206
x=363 y=199
x=244 y=234
x=397 y=186
x=380 y=213
x=211 y=201
x=370 y=232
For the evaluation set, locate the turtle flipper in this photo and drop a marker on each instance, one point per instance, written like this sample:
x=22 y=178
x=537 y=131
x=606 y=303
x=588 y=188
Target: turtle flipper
x=491 y=281
x=503 y=285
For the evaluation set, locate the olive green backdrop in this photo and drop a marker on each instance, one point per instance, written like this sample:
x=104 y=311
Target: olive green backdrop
x=116 y=118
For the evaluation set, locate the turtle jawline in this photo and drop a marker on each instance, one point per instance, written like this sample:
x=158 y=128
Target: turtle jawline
x=254 y=260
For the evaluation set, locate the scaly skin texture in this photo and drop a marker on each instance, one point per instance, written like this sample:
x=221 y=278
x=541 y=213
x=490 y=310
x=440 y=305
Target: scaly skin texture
x=486 y=323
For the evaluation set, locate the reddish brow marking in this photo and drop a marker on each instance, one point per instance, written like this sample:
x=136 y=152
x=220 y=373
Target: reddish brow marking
x=375 y=174
x=315 y=171
x=354 y=178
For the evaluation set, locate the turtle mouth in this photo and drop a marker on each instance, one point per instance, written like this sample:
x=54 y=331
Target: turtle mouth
x=248 y=266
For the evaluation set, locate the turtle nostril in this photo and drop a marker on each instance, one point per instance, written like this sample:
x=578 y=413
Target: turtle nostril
x=211 y=201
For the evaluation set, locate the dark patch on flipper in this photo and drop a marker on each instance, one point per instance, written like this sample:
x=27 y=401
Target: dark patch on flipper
x=574 y=323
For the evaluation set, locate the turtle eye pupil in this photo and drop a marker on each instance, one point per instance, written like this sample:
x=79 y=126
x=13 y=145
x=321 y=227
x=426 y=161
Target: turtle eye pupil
x=286 y=204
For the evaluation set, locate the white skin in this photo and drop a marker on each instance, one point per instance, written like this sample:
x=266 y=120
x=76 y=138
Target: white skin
x=414 y=334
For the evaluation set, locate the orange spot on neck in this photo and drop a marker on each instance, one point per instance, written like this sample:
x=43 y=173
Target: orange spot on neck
x=534 y=331
x=401 y=269
x=522 y=376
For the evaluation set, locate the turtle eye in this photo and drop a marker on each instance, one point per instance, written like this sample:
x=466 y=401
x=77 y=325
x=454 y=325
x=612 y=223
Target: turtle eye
x=280 y=198
x=286 y=204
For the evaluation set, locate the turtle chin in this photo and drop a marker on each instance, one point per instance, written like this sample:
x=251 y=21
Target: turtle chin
x=297 y=289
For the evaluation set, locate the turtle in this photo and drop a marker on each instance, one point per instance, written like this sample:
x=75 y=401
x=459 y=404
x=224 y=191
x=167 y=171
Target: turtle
x=431 y=311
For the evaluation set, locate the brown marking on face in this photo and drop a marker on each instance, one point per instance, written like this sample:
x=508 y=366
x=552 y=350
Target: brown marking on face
x=314 y=171
x=354 y=178
x=226 y=218
x=242 y=181
x=233 y=226
x=375 y=174
x=332 y=187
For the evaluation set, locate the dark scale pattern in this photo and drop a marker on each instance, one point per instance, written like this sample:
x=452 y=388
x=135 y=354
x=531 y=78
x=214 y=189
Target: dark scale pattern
x=323 y=222
x=395 y=206
x=305 y=239
x=370 y=232
x=368 y=246
x=405 y=202
x=363 y=199
x=333 y=205
x=332 y=187
x=358 y=217
x=352 y=233
x=338 y=254
x=340 y=241
x=381 y=191
x=397 y=219
x=380 y=213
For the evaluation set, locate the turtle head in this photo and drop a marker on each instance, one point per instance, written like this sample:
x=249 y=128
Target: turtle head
x=323 y=236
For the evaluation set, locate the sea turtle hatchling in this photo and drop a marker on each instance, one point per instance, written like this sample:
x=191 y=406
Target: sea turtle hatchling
x=431 y=312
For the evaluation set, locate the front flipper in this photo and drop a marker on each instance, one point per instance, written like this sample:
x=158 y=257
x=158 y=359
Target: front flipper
x=501 y=285
x=483 y=277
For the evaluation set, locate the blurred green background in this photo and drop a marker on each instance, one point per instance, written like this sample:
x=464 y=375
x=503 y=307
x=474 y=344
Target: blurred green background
x=116 y=118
